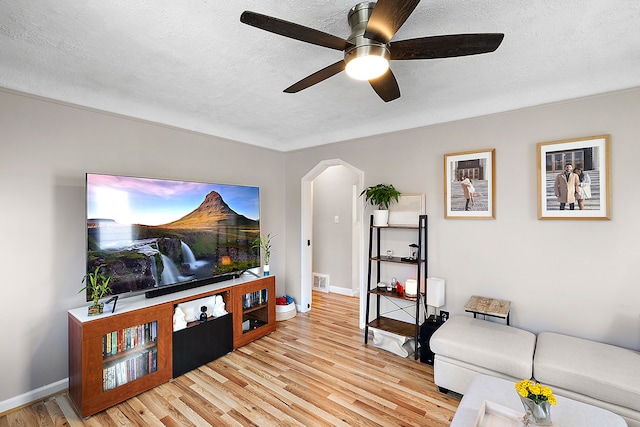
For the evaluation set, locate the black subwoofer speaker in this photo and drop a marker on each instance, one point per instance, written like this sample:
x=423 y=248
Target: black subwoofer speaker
x=426 y=330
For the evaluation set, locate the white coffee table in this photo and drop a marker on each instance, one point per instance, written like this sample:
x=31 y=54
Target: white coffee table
x=565 y=413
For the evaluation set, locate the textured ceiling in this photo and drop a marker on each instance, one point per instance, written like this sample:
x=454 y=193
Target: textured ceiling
x=193 y=65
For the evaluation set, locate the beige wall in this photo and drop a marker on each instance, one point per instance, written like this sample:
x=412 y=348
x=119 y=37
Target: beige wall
x=45 y=151
x=575 y=277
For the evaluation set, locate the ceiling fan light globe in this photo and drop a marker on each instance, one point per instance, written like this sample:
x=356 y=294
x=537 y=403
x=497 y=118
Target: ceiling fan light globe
x=367 y=67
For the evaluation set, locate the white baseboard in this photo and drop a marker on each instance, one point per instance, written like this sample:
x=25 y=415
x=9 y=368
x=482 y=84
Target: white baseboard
x=343 y=291
x=34 y=395
x=335 y=289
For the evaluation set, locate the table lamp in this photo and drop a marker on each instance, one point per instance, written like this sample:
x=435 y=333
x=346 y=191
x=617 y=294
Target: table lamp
x=435 y=294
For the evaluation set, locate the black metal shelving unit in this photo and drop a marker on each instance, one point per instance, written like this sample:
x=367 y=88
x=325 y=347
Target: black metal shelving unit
x=382 y=322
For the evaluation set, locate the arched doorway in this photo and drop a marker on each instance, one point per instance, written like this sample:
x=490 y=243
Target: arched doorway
x=307 y=241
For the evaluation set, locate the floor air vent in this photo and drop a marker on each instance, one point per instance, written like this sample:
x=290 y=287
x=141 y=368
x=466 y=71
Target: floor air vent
x=321 y=282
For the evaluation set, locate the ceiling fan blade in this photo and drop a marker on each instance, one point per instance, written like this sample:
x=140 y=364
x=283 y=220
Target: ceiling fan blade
x=387 y=18
x=294 y=31
x=386 y=86
x=316 y=77
x=445 y=46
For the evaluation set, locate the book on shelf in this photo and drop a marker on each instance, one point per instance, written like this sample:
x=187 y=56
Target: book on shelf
x=106 y=344
x=114 y=343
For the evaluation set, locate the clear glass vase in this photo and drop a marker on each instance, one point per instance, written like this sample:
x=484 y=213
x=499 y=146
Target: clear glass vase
x=539 y=413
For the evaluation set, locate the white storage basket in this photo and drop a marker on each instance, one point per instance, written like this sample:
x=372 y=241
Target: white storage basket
x=285 y=312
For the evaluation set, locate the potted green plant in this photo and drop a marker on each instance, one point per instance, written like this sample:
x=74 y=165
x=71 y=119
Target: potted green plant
x=381 y=195
x=264 y=244
x=97 y=287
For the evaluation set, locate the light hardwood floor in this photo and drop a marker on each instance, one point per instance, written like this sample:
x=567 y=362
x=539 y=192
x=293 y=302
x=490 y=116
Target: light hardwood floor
x=313 y=371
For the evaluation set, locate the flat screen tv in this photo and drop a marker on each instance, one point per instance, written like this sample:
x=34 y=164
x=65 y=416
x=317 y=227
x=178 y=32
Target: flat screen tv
x=159 y=236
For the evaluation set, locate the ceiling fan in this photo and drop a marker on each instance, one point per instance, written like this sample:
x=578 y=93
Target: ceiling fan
x=369 y=48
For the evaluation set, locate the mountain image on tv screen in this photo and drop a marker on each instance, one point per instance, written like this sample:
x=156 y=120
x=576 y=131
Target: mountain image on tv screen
x=148 y=233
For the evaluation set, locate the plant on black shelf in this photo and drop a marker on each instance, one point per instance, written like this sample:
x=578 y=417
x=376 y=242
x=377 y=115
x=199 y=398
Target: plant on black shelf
x=381 y=195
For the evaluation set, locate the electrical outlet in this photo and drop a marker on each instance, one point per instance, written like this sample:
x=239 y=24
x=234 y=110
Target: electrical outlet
x=444 y=315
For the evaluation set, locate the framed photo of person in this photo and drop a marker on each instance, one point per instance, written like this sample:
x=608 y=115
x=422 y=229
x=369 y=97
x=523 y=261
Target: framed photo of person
x=574 y=179
x=469 y=185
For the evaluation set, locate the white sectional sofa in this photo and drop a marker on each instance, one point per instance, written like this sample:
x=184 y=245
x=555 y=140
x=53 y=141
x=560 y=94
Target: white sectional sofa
x=599 y=374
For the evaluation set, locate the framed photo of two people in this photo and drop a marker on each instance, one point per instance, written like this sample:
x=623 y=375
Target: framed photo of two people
x=573 y=179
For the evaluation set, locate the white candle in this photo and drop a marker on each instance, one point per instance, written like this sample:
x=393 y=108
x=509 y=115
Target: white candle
x=411 y=287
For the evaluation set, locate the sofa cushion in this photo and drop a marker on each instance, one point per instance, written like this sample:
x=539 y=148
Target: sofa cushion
x=601 y=371
x=490 y=345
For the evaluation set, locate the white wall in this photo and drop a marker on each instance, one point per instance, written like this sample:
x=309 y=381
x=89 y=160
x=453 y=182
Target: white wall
x=332 y=249
x=575 y=277
x=45 y=150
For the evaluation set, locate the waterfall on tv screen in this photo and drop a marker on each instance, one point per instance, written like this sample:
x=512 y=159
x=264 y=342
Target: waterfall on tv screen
x=187 y=255
x=170 y=273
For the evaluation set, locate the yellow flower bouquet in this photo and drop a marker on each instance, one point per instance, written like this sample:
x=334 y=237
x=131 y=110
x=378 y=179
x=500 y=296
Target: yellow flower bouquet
x=535 y=391
x=536 y=399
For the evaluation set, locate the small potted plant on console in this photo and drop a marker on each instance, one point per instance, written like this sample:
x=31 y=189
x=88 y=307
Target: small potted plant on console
x=97 y=287
x=381 y=195
x=264 y=243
